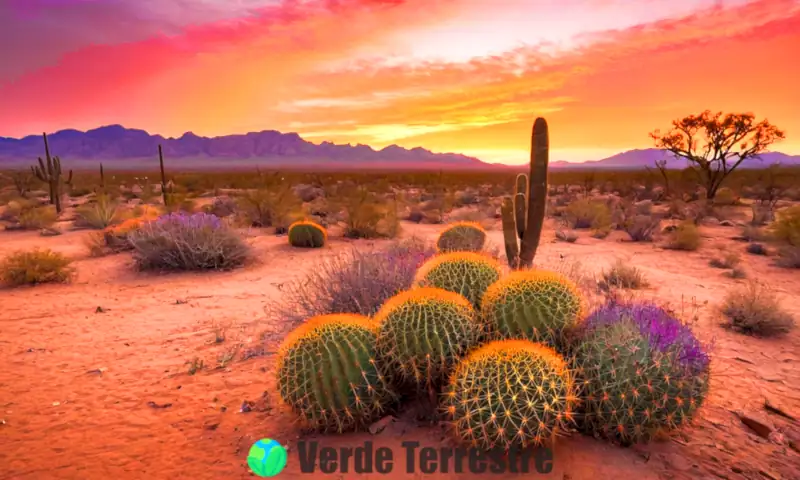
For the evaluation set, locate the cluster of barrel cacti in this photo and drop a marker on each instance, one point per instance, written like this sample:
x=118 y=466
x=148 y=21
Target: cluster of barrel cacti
x=513 y=359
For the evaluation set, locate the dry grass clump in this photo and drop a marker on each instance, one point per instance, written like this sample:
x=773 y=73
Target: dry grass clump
x=35 y=266
x=685 y=237
x=756 y=310
x=29 y=214
x=100 y=214
x=757 y=249
x=622 y=275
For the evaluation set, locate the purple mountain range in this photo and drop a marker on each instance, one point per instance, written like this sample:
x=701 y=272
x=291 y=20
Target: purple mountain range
x=118 y=146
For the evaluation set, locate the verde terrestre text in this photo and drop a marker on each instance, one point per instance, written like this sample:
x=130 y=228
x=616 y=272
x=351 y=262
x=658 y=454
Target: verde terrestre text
x=416 y=459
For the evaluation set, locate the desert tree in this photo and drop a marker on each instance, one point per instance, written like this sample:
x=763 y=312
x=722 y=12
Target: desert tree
x=715 y=144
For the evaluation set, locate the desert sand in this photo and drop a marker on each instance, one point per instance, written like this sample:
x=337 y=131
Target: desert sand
x=95 y=378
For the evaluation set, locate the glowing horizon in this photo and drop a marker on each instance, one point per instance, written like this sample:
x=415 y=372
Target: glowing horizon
x=463 y=76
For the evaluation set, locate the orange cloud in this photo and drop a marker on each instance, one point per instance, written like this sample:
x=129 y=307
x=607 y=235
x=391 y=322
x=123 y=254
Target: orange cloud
x=345 y=71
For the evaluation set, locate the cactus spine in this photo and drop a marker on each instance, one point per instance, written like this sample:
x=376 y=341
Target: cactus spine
x=523 y=216
x=50 y=172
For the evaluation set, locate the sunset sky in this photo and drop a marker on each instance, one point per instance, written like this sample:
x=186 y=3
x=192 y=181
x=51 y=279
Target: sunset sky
x=465 y=76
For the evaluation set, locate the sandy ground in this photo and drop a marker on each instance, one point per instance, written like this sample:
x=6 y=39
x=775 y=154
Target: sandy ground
x=94 y=381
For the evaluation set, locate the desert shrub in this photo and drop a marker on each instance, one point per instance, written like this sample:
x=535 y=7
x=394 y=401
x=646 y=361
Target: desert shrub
x=367 y=216
x=38 y=217
x=179 y=241
x=751 y=233
x=307 y=234
x=263 y=207
x=685 y=237
x=585 y=213
x=725 y=197
x=222 y=207
x=99 y=214
x=622 y=275
x=641 y=370
x=788 y=256
x=180 y=202
x=756 y=310
x=786 y=228
x=355 y=281
x=461 y=237
x=35 y=266
x=14 y=208
x=726 y=260
x=757 y=249
x=641 y=228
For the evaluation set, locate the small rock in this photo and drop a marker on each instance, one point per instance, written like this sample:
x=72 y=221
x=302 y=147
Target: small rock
x=758 y=424
x=247 y=406
x=378 y=426
x=55 y=404
x=211 y=426
x=49 y=232
x=727 y=223
x=770 y=475
x=99 y=310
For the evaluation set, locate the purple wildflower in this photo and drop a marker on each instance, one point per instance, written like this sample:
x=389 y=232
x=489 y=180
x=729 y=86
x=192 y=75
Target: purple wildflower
x=662 y=330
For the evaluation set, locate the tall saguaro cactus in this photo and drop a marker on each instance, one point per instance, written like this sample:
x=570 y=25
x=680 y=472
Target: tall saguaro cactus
x=164 y=193
x=523 y=216
x=49 y=171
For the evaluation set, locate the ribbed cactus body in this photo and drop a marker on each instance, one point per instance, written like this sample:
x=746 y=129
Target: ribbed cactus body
x=536 y=305
x=423 y=332
x=509 y=393
x=327 y=373
x=306 y=234
x=466 y=273
x=462 y=237
x=639 y=375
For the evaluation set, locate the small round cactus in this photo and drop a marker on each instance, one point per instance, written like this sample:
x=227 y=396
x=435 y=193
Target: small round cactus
x=536 y=305
x=327 y=373
x=640 y=371
x=423 y=332
x=466 y=273
x=462 y=237
x=307 y=234
x=509 y=393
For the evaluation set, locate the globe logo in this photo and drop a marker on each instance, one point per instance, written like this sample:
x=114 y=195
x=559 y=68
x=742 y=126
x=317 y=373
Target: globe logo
x=266 y=458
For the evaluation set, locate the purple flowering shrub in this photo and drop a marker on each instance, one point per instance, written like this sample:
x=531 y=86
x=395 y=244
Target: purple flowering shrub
x=182 y=241
x=663 y=331
x=355 y=281
x=641 y=371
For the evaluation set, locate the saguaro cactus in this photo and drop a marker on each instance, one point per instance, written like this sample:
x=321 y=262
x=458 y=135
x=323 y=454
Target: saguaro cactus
x=523 y=216
x=164 y=193
x=50 y=172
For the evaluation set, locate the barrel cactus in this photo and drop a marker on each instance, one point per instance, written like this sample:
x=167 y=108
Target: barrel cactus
x=307 y=234
x=328 y=375
x=462 y=237
x=536 y=305
x=510 y=394
x=465 y=273
x=641 y=371
x=423 y=332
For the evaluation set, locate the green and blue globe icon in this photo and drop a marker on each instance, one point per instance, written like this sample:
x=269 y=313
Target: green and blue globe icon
x=267 y=458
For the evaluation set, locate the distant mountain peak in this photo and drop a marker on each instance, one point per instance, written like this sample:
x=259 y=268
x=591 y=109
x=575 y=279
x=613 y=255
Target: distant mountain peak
x=115 y=143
